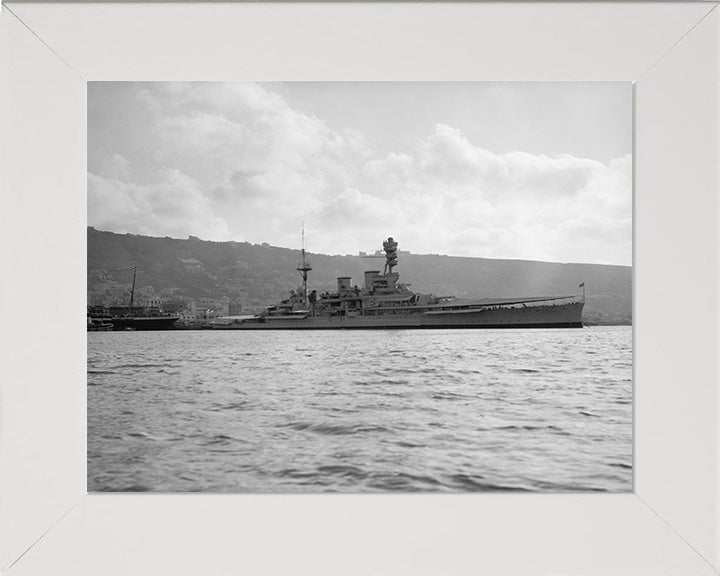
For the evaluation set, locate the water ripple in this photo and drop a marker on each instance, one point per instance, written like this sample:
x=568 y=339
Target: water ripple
x=378 y=411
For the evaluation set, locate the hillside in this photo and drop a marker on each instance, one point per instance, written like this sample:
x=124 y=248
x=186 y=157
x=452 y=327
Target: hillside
x=252 y=276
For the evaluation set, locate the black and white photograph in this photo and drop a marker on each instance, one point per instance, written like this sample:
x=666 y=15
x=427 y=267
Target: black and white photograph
x=359 y=287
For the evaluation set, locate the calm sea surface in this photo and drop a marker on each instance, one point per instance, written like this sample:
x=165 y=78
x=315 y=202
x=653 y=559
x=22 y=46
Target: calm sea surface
x=360 y=411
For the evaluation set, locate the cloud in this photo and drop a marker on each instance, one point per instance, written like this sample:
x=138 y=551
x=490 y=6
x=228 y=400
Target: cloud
x=451 y=196
x=162 y=208
x=236 y=161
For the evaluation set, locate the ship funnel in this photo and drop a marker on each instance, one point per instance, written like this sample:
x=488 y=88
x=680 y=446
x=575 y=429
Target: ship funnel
x=370 y=275
x=344 y=283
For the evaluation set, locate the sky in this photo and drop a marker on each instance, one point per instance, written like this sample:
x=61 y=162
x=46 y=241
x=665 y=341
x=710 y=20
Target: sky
x=538 y=171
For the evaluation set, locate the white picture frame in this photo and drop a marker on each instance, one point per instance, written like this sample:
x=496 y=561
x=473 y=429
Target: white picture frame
x=670 y=524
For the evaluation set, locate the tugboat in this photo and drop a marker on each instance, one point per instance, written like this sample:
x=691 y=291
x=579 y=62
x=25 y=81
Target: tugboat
x=385 y=302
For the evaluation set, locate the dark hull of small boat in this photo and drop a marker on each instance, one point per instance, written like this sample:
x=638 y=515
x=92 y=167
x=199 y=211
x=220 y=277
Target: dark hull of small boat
x=100 y=327
x=144 y=323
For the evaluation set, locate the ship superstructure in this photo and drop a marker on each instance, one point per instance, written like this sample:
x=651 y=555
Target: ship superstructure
x=385 y=302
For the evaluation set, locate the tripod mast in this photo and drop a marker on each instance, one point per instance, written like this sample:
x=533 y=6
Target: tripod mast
x=304 y=267
x=132 y=290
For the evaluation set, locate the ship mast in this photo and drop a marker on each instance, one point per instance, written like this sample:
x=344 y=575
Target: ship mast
x=304 y=267
x=132 y=290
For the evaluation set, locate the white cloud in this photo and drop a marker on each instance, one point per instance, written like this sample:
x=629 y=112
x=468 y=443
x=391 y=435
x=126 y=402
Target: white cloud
x=236 y=161
x=450 y=196
x=164 y=208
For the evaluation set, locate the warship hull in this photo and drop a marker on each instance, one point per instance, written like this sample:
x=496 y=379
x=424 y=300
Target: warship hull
x=550 y=316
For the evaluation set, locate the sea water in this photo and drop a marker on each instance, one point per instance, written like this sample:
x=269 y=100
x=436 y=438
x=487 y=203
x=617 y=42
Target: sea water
x=360 y=411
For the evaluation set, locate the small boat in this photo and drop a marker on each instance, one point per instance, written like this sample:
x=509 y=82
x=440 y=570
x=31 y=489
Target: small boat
x=96 y=325
x=133 y=318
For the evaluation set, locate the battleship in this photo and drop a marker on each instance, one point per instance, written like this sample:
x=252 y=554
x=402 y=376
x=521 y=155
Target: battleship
x=385 y=302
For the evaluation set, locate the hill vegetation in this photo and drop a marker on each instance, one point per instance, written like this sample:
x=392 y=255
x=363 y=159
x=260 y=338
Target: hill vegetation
x=252 y=276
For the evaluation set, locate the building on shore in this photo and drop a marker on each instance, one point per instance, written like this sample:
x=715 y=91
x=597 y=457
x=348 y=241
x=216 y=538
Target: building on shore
x=203 y=310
